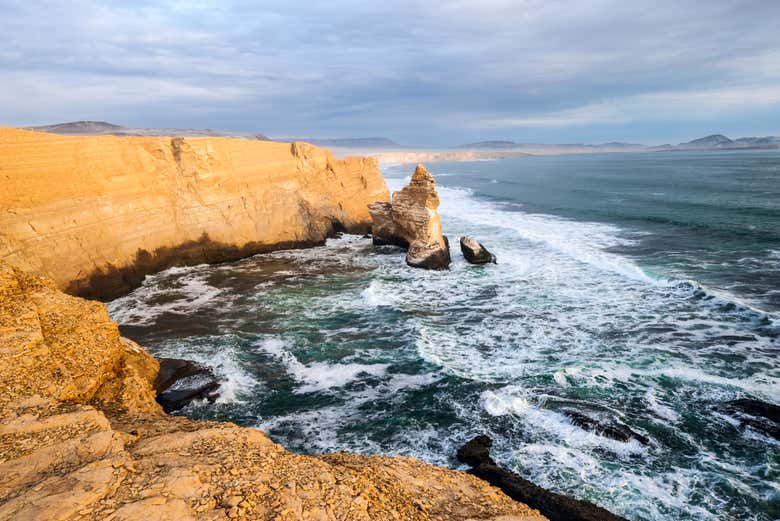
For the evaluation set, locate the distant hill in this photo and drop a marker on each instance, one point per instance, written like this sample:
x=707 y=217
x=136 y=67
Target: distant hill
x=618 y=144
x=758 y=141
x=491 y=145
x=721 y=142
x=570 y=147
x=96 y=128
x=712 y=141
x=350 y=142
x=79 y=128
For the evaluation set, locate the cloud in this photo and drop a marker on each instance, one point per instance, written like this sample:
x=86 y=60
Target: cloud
x=657 y=106
x=420 y=72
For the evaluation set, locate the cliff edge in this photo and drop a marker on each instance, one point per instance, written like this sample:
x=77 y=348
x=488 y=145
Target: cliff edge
x=81 y=437
x=98 y=213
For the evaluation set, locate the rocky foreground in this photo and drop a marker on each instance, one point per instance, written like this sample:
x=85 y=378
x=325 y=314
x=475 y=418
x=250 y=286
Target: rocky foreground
x=82 y=437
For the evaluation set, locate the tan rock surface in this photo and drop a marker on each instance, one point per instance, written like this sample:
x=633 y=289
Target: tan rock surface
x=82 y=438
x=97 y=213
x=411 y=220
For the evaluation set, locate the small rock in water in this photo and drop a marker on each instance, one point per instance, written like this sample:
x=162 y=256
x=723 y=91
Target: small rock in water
x=180 y=382
x=475 y=252
x=556 y=507
x=610 y=428
x=759 y=415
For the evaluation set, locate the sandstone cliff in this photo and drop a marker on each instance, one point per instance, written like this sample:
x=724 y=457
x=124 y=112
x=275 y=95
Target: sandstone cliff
x=81 y=437
x=97 y=213
x=412 y=221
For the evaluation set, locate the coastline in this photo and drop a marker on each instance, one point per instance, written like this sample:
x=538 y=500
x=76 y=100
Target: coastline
x=98 y=213
x=396 y=156
x=125 y=366
x=96 y=443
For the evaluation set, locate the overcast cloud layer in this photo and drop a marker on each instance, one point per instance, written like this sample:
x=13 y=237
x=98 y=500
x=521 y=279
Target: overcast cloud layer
x=422 y=73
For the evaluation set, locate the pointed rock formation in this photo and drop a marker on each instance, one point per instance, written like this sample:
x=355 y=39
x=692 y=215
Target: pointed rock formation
x=412 y=221
x=474 y=252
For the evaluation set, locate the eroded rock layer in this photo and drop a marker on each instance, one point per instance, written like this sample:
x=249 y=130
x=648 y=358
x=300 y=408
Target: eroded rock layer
x=412 y=221
x=97 y=213
x=81 y=437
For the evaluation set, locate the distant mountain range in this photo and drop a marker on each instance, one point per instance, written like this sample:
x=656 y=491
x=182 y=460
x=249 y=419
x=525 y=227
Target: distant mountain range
x=712 y=142
x=504 y=145
x=351 y=142
x=719 y=141
x=493 y=147
x=92 y=128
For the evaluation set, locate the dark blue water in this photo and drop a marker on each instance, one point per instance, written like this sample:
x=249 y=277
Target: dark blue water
x=708 y=216
x=639 y=290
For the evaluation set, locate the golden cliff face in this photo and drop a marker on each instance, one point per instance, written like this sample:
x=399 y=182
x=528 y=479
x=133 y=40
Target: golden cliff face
x=97 y=213
x=81 y=437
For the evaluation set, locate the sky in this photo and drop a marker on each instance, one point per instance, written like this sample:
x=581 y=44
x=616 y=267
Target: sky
x=421 y=73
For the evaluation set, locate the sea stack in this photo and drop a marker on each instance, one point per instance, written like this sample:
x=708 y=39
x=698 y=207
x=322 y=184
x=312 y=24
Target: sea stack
x=411 y=220
x=475 y=252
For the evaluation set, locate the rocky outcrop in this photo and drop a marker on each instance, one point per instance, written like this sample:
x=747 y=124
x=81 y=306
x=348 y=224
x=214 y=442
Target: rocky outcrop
x=474 y=252
x=180 y=382
x=82 y=437
x=411 y=220
x=605 y=426
x=66 y=349
x=557 y=507
x=759 y=415
x=98 y=213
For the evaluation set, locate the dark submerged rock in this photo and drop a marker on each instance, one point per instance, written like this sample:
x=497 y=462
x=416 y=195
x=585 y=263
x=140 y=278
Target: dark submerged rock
x=172 y=369
x=556 y=507
x=475 y=252
x=761 y=416
x=180 y=382
x=609 y=428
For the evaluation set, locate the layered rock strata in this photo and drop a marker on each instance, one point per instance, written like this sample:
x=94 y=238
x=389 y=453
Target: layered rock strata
x=81 y=437
x=411 y=220
x=98 y=213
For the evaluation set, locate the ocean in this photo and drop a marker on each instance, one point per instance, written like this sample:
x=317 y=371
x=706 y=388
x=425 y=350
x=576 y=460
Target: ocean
x=639 y=291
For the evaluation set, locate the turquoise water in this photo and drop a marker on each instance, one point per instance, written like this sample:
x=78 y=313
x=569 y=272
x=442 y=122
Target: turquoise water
x=637 y=289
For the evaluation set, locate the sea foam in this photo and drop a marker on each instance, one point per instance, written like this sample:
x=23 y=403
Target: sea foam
x=317 y=376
